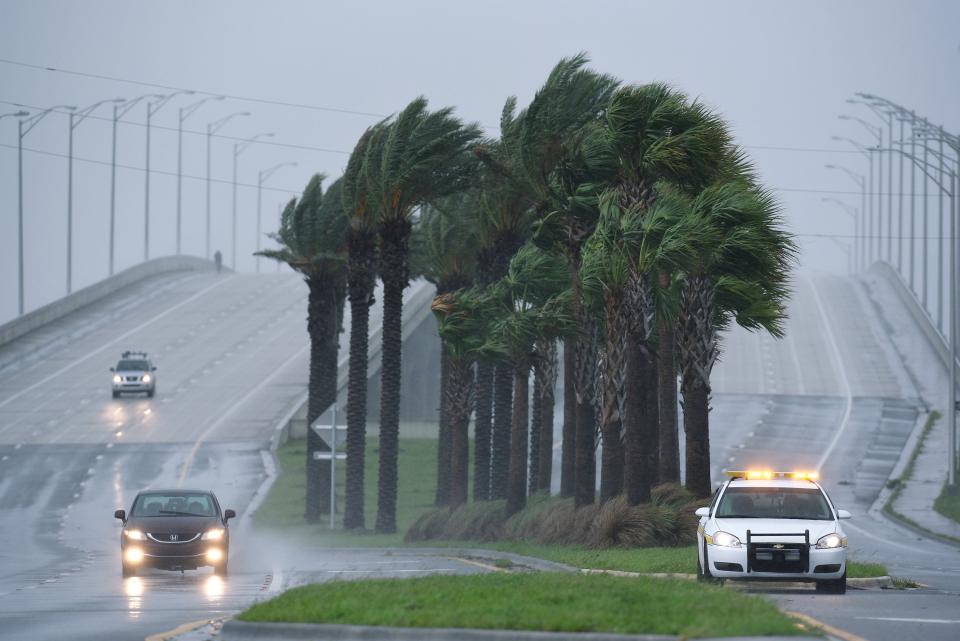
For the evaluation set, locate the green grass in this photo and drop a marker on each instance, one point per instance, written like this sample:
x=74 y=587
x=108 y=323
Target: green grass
x=948 y=505
x=283 y=507
x=538 y=601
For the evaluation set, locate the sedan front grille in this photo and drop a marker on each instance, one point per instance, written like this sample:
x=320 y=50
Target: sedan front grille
x=132 y=379
x=174 y=537
x=772 y=556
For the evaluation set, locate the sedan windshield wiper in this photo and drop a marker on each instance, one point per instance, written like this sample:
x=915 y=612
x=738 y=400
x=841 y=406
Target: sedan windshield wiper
x=174 y=512
x=739 y=516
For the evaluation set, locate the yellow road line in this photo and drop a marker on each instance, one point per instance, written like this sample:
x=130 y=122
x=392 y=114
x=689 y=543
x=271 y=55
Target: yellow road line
x=479 y=564
x=829 y=629
x=180 y=629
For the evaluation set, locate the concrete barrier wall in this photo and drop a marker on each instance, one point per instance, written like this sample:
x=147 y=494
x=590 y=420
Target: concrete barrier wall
x=83 y=297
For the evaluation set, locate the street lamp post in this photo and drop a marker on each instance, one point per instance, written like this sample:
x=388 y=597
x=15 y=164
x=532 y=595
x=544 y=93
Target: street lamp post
x=871 y=214
x=239 y=148
x=854 y=214
x=19 y=114
x=185 y=112
x=212 y=128
x=857 y=223
x=119 y=111
x=261 y=178
x=152 y=108
x=24 y=126
x=76 y=117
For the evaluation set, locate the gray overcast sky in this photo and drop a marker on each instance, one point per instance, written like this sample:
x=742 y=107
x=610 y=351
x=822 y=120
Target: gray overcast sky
x=779 y=71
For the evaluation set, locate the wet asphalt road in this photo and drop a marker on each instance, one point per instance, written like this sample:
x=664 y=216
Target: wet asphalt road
x=232 y=360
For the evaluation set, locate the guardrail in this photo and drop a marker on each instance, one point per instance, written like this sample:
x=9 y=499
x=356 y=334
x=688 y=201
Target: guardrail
x=81 y=298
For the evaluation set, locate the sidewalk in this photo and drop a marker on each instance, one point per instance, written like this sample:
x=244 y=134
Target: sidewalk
x=929 y=376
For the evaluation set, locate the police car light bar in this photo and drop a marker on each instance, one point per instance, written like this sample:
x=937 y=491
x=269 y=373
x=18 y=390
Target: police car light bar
x=768 y=475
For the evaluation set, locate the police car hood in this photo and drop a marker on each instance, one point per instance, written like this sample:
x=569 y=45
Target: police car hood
x=775 y=529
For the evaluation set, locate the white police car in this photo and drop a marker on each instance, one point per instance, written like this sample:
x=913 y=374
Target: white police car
x=782 y=526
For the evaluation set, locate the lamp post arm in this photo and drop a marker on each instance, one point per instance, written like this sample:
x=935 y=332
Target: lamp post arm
x=187 y=111
x=923 y=167
x=35 y=119
x=154 y=107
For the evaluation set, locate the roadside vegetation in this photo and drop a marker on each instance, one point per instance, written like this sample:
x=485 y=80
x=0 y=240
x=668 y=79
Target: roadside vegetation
x=550 y=602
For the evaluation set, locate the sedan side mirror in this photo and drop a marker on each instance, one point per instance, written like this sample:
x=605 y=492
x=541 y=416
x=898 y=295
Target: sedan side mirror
x=120 y=514
x=843 y=514
x=228 y=514
x=702 y=512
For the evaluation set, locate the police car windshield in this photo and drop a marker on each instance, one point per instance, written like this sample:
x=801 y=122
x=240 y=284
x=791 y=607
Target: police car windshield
x=130 y=365
x=774 y=503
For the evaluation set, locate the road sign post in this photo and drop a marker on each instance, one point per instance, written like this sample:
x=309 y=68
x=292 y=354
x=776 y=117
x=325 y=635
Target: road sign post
x=331 y=434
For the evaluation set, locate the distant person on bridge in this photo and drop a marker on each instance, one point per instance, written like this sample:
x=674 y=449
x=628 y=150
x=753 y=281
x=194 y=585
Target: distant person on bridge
x=218 y=259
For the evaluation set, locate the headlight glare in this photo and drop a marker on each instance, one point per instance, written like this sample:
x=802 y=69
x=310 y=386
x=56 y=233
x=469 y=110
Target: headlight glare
x=726 y=540
x=146 y=378
x=134 y=535
x=213 y=535
x=831 y=541
x=117 y=379
x=134 y=555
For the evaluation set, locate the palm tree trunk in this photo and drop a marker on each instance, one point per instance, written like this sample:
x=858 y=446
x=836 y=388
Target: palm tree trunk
x=548 y=367
x=502 y=421
x=536 y=429
x=457 y=400
x=613 y=386
x=585 y=475
x=640 y=427
x=652 y=445
x=568 y=448
x=667 y=389
x=322 y=326
x=482 y=427
x=361 y=273
x=444 y=436
x=697 y=347
x=517 y=491
x=394 y=270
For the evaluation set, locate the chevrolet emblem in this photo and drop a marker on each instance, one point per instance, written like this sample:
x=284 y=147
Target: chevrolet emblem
x=778 y=546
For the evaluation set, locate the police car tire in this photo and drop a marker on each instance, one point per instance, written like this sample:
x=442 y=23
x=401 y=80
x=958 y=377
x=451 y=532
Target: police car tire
x=703 y=571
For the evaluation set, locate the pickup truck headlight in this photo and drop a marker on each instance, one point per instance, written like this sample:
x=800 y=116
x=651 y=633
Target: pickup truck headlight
x=146 y=378
x=726 y=540
x=134 y=535
x=831 y=541
x=117 y=379
x=215 y=534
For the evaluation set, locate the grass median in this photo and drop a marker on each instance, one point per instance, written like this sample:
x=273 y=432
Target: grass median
x=537 y=601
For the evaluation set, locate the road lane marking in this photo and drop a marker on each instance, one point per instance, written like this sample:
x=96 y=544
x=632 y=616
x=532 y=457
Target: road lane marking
x=479 y=564
x=825 y=627
x=188 y=463
x=103 y=347
x=848 y=396
x=906 y=620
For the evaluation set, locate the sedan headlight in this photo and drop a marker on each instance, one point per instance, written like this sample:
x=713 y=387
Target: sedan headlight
x=726 y=540
x=215 y=534
x=117 y=379
x=146 y=378
x=134 y=535
x=831 y=541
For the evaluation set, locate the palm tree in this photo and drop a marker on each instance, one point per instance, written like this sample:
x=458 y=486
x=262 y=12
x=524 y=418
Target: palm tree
x=447 y=232
x=739 y=272
x=541 y=423
x=650 y=133
x=533 y=303
x=570 y=103
x=418 y=157
x=313 y=241
x=465 y=319
x=361 y=281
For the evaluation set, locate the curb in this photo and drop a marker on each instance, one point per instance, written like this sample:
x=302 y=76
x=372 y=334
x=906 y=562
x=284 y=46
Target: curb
x=234 y=630
x=871 y=583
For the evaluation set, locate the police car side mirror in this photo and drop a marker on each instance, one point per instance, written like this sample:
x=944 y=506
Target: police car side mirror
x=843 y=514
x=229 y=514
x=702 y=512
x=120 y=514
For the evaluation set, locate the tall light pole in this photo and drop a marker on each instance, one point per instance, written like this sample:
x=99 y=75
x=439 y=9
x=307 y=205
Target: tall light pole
x=119 y=111
x=18 y=114
x=239 y=148
x=871 y=214
x=152 y=108
x=261 y=178
x=854 y=214
x=185 y=112
x=76 y=117
x=857 y=225
x=213 y=128
x=24 y=126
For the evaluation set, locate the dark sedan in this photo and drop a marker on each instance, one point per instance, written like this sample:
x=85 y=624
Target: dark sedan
x=174 y=530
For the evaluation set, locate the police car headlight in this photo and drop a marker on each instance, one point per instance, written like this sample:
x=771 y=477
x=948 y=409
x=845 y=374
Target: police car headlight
x=831 y=541
x=117 y=379
x=212 y=535
x=726 y=540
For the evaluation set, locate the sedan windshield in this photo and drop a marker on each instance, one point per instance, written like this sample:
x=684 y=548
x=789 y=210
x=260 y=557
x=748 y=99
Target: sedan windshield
x=174 y=504
x=774 y=503
x=128 y=365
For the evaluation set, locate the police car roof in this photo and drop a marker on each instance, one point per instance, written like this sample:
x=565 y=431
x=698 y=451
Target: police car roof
x=801 y=483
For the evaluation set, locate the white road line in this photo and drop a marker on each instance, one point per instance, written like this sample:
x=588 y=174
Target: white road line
x=236 y=405
x=841 y=370
x=906 y=620
x=103 y=347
